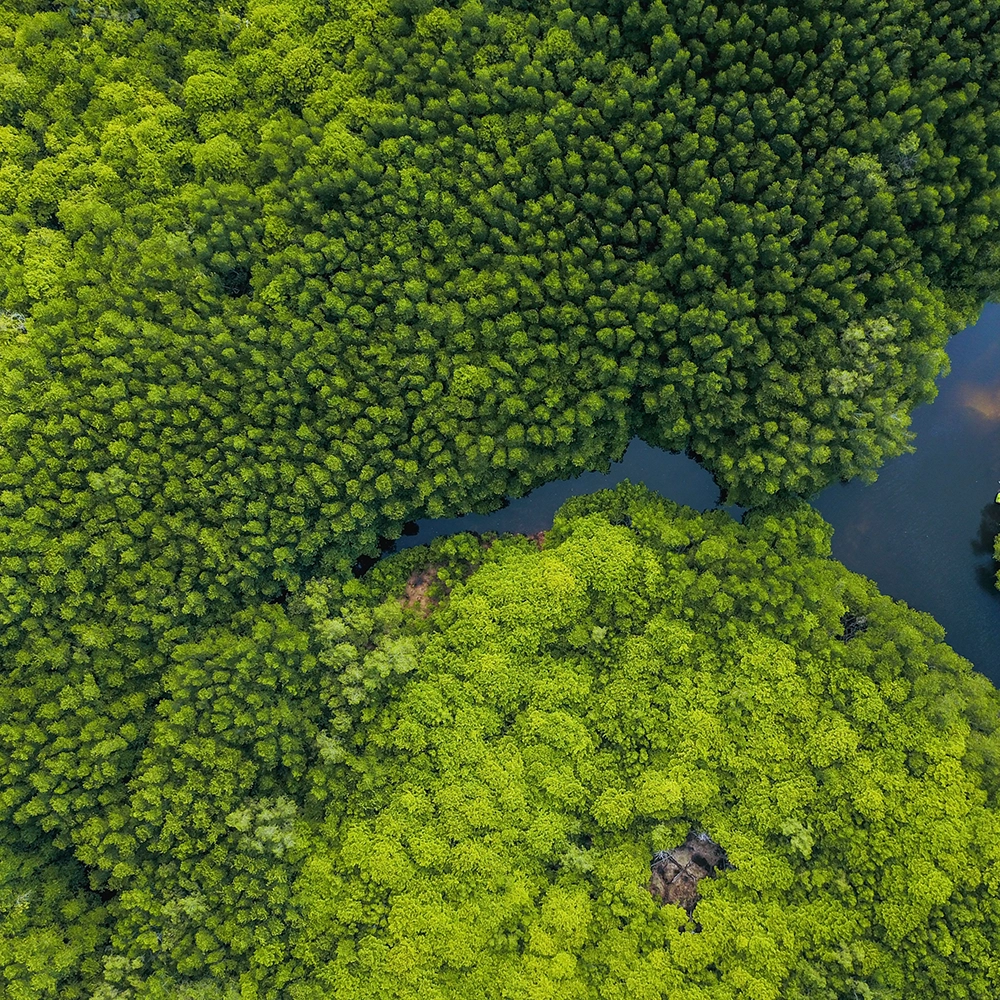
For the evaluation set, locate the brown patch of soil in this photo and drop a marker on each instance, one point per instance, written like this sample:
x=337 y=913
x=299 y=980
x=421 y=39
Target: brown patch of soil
x=538 y=538
x=676 y=874
x=417 y=592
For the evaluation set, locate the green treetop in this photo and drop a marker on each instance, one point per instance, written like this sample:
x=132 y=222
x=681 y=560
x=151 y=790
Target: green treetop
x=276 y=282
x=459 y=794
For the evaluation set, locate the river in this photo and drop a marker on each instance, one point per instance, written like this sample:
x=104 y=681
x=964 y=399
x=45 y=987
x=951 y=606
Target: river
x=923 y=531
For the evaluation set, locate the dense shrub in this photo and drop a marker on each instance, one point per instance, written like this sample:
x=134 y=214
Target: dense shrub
x=277 y=281
x=365 y=795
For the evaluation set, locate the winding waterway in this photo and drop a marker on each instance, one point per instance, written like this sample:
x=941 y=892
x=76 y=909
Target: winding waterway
x=923 y=531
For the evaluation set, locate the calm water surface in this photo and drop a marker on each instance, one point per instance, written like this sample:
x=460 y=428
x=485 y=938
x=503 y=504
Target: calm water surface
x=923 y=532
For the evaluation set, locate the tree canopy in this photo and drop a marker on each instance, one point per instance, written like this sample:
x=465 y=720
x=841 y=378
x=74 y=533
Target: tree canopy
x=365 y=795
x=282 y=276
x=277 y=282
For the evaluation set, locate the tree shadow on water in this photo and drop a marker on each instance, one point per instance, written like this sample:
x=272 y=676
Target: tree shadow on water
x=989 y=528
x=982 y=545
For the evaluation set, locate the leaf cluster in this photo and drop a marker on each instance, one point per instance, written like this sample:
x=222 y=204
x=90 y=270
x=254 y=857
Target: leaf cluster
x=349 y=797
x=278 y=281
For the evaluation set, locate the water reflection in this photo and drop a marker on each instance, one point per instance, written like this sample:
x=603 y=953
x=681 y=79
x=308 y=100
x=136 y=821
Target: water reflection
x=989 y=528
x=982 y=548
x=982 y=400
x=673 y=475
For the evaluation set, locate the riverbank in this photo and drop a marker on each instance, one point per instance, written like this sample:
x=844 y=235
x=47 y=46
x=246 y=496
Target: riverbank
x=923 y=531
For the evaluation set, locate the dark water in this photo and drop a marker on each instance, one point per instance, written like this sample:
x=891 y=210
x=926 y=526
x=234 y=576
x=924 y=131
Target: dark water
x=674 y=476
x=923 y=532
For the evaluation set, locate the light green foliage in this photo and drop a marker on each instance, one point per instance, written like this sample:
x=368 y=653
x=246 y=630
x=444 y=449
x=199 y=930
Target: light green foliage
x=577 y=709
x=464 y=803
x=279 y=277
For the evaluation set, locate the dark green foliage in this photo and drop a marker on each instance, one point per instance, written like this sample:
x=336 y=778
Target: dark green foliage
x=52 y=928
x=464 y=801
x=317 y=276
x=278 y=279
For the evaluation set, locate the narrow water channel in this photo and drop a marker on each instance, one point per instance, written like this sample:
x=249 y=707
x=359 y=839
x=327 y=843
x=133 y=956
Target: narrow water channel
x=923 y=531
